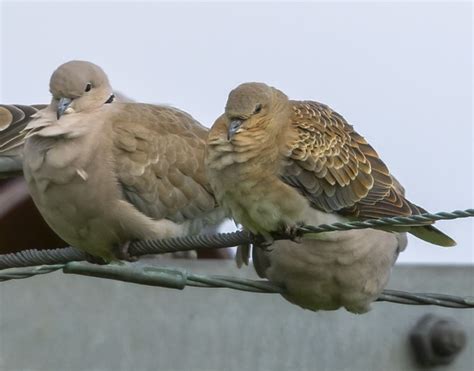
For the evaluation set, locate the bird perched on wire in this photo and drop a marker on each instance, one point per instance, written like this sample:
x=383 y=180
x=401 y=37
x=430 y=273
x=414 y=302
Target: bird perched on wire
x=105 y=174
x=275 y=164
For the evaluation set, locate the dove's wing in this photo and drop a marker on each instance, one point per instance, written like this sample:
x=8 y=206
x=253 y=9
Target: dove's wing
x=159 y=154
x=337 y=170
x=13 y=119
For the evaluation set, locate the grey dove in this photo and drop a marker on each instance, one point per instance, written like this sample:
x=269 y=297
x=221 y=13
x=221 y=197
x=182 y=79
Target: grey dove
x=274 y=164
x=104 y=174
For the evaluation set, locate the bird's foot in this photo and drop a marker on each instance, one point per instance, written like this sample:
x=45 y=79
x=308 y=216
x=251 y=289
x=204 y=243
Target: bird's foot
x=261 y=241
x=293 y=232
x=122 y=252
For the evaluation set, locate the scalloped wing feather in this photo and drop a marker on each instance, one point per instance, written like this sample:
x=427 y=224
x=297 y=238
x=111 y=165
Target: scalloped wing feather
x=338 y=170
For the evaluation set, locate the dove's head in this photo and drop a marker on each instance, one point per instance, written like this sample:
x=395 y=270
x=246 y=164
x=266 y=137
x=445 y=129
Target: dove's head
x=78 y=86
x=254 y=106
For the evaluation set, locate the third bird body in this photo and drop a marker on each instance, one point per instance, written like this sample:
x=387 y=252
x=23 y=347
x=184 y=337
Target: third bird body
x=346 y=269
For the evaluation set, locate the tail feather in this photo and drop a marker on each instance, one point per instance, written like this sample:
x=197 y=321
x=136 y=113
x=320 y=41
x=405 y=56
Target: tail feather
x=427 y=233
x=432 y=235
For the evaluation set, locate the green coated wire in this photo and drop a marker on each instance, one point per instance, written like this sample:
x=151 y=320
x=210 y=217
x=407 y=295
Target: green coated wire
x=178 y=278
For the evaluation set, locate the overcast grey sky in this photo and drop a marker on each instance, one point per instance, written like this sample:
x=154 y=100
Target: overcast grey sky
x=401 y=73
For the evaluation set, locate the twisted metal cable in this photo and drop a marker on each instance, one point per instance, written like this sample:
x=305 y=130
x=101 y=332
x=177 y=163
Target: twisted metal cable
x=388 y=222
x=29 y=258
x=137 y=248
x=440 y=300
x=16 y=274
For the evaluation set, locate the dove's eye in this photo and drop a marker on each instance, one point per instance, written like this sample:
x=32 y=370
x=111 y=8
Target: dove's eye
x=258 y=108
x=88 y=87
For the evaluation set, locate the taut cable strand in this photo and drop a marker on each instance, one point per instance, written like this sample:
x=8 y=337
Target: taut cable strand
x=137 y=248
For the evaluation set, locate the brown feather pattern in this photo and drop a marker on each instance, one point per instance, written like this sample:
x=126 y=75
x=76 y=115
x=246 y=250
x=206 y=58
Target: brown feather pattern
x=337 y=170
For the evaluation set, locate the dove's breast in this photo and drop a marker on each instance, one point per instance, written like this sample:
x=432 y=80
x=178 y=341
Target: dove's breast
x=73 y=185
x=261 y=202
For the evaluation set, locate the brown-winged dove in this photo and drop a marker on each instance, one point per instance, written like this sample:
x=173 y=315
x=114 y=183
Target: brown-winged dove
x=105 y=174
x=274 y=163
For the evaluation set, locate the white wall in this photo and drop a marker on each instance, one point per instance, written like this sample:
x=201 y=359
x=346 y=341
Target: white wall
x=400 y=72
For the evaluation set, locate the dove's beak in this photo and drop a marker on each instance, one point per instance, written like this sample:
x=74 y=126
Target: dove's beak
x=63 y=105
x=234 y=127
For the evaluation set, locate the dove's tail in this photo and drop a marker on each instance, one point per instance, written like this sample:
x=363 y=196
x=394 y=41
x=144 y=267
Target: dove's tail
x=432 y=235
